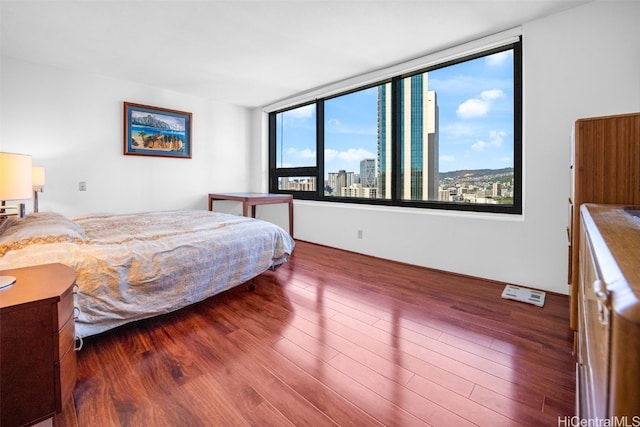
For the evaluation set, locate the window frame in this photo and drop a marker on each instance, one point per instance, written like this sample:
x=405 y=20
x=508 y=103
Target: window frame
x=317 y=171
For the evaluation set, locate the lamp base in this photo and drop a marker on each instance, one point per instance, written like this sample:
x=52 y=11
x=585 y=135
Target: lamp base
x=6 y=281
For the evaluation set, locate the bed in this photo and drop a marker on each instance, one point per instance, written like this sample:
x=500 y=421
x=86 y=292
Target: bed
x=134 y=266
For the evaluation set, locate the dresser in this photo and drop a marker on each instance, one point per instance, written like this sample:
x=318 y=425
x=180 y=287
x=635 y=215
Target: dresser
x=608 y=324
x=605 y=168
x=37 y=344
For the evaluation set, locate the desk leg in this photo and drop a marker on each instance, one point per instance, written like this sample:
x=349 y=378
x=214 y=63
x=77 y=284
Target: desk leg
x=210 y=203
x=291 y=218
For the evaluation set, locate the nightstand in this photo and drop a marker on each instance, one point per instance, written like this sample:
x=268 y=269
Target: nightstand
x=38 y=365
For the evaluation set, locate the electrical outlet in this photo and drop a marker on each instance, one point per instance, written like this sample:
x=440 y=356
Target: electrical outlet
x=82 y=186
x=359 y=234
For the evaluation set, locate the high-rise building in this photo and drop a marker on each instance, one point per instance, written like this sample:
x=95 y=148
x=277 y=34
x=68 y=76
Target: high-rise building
x=339 y=180
x=497 y=189
x=444 y=195
x=357 y=190
x=298 y=184
x=419 y=140
x=368 y=173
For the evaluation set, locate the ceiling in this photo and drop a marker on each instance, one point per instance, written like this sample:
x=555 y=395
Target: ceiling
x=248 y=52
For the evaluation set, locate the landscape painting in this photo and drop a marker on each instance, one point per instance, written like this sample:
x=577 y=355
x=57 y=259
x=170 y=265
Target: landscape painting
x=153 y=131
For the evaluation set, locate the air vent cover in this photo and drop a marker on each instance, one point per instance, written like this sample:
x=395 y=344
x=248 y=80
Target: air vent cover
x=524 y=295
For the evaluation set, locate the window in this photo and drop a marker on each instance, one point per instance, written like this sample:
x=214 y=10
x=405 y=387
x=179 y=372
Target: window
x=293 y=157
x=446 y=137
x=351 y=144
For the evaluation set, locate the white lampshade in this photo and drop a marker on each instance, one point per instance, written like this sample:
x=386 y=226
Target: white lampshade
x=15 y=176
x=15 y=184
x=37 y=177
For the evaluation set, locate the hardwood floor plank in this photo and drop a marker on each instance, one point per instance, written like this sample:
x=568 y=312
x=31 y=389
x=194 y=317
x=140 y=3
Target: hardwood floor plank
x=218 y=408
x=93 y=395
x=286 y=400
x=314 y=345
x=527 y=413
x=334 y=304
x=335 y=338
x=469 y=358
x=389 y=388
x=557 y=406
x=382 y=410
x=339 y=410
x=473 y=413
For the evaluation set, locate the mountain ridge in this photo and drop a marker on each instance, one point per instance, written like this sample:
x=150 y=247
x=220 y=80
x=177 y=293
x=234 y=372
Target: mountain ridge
x=475 y=173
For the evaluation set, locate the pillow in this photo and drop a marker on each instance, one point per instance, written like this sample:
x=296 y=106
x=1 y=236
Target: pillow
x=38 y=228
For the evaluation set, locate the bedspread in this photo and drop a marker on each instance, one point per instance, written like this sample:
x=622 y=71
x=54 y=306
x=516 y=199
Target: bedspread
x=131 y=267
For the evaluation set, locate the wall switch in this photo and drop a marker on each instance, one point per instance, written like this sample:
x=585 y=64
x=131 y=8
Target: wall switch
x=359 y=234
x=82 y=186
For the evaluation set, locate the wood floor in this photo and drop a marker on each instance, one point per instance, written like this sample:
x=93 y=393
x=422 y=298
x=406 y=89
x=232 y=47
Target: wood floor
x=335 y=338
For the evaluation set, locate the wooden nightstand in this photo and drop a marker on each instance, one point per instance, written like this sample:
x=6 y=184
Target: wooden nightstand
x=38 y=365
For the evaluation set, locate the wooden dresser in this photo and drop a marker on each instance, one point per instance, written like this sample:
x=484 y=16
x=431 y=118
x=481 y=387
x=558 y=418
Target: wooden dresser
x=605 y=168
x=608 y=350
x=37 y=339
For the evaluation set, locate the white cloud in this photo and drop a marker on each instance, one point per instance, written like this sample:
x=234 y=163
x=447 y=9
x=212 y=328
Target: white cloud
x=497 y=58
x=447 y=158
x=479 y=146
x=330 y=154
x=355 y=154
x=335 y=123
x=308 y=154
x=456 y=130
x=496 y=138
x=302 y=154
x=478 y=107
x=472 y=108
x=348 y=160
x=490 y=95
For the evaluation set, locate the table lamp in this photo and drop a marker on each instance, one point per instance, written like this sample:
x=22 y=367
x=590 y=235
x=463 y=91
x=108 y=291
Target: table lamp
x=15 y=184
x=37 y=183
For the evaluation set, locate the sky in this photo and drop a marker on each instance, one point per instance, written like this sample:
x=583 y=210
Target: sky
x=475 y=100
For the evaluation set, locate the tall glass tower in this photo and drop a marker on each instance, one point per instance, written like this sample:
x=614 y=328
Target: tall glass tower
x=418 y=140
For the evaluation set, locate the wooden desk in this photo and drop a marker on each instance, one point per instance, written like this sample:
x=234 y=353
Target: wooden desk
x=254 y=199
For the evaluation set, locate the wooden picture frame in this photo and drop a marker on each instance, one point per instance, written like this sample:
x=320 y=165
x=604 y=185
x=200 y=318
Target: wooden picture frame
x=154 y=131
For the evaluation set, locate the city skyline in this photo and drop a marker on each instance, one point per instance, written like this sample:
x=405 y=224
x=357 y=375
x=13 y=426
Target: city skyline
x=475 y=100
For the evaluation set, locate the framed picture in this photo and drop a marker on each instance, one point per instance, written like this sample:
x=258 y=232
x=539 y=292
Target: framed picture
x=153 y=131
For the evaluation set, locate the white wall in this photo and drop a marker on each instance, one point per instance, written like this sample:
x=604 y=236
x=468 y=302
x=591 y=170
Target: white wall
x=580 y=63
x=72 y=124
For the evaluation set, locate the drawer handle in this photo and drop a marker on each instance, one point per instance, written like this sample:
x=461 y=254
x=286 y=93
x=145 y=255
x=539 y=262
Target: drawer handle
x=79 y=344
x=600 y=290
x=76 y=312
x=603 y=301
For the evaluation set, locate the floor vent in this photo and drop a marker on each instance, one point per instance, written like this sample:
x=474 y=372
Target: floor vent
x=524 y=295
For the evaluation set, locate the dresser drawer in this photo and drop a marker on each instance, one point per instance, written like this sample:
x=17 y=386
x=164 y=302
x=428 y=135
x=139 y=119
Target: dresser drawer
x=66 y=339
x=594 y=334
x=66 y=372
x=65 y=308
